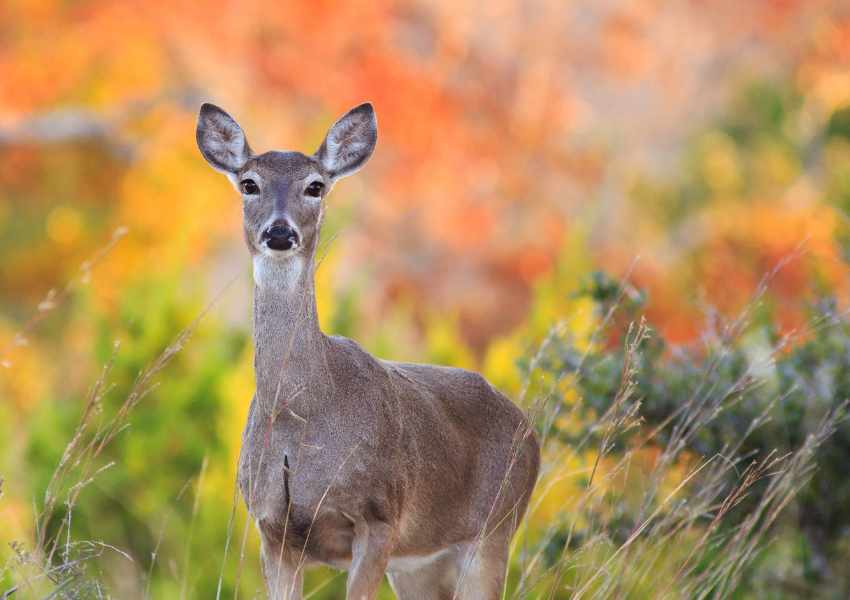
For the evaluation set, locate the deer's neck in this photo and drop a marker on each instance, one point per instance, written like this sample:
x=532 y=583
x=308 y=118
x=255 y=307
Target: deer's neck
x=288 y=344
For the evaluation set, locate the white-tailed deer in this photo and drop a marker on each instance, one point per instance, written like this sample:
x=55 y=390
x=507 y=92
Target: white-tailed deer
x=417 y=471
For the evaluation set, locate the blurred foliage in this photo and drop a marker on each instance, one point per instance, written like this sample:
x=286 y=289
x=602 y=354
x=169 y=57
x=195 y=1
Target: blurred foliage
x=523 y=154
x=766 y=393
x=146 y=501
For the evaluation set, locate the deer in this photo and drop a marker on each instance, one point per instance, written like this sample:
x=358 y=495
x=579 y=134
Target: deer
x=418 y=472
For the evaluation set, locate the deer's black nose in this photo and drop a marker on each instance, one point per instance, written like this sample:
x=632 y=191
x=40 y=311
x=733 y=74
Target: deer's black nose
x=280 y=236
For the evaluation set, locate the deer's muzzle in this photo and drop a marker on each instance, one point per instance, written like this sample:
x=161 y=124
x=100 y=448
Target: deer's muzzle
x=280 y=236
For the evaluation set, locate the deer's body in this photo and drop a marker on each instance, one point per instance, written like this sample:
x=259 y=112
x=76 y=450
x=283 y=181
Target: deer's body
x=419 y=471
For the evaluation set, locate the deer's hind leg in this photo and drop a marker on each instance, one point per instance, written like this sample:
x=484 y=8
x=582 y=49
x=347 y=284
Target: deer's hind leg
x=425 y=579
x=473 y=571
x=481 y=569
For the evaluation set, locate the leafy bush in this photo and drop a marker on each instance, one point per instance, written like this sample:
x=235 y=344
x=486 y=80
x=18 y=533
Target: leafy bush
x=744 y=394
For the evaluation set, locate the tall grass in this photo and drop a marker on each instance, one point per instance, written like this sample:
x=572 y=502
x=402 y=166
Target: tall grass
x=674 y=530
x=674 y=534
x=649 y=516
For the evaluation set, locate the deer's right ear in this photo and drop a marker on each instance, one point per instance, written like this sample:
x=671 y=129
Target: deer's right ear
x=350 y=142
x=221 y=140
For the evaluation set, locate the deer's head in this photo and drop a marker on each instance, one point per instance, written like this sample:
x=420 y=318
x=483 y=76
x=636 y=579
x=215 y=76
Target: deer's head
x=283 y=192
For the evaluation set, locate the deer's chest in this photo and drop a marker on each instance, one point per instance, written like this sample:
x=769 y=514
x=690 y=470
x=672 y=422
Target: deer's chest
x=298 y=467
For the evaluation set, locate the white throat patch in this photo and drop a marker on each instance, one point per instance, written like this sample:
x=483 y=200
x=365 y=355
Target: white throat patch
x=282 y=274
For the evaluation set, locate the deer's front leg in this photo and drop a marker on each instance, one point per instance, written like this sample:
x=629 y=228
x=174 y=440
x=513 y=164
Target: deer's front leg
x=370 y=552
x=281 y=570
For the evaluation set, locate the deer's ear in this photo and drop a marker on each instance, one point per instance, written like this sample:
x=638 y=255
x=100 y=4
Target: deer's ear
x=350 y=142
x=221 y=140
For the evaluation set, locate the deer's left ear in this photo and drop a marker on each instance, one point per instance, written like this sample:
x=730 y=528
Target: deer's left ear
x=350 y=142
x=221 y=140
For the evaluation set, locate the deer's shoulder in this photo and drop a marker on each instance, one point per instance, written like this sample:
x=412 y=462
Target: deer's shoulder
x=351 y=361
x=442 y=380
x=356 y=362
x=460 y=392
x=456 y=392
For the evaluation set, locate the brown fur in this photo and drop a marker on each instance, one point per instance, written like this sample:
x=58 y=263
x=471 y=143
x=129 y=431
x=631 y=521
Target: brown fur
x=419 y=471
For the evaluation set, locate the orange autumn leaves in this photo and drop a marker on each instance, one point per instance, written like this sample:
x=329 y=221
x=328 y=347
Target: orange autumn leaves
x=792 y=250
x=502 y=128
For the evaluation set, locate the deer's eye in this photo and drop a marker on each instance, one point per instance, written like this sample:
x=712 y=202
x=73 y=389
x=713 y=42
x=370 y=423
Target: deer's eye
x=249 y=187
x=315 y=189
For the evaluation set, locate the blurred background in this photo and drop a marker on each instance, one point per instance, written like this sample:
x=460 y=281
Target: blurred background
x=534 y=159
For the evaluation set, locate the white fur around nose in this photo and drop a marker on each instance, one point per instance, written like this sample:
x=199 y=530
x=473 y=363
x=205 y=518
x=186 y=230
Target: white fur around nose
x=283 y=274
